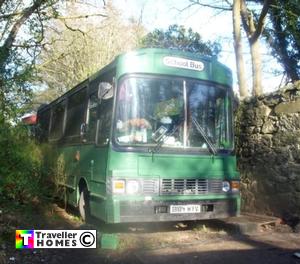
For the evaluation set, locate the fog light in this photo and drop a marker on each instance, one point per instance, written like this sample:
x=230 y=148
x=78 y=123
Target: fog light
x=226 y=186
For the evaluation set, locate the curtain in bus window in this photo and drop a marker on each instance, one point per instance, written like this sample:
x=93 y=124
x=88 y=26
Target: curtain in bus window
x=75 y=113
x=57 y=120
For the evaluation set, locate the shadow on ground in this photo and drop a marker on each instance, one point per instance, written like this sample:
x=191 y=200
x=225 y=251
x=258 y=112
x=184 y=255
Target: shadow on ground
x=168 y=242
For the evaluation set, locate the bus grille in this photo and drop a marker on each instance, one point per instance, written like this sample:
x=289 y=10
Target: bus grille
x=190 y=186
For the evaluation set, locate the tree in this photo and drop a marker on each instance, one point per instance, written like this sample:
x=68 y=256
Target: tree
x=253 y=31
x=77 y=50
x=238 y=48
x=253 y=27
x=22 y=31
x=177 y=37
x=283 y=35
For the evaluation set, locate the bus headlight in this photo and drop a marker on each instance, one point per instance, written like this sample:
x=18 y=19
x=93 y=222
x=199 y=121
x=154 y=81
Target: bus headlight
x=132 y=187
x=226 y=186
x=118 y=186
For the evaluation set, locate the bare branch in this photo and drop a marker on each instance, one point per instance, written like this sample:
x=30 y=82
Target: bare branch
x=197 y=2
x=245 y=17
x=81 y=16
x=4 y=31
x=261 y=20
x=227 y=1
x=185 y=8
x=73 y=29
x=254 y=31
x=42 y=28
x=6 y=16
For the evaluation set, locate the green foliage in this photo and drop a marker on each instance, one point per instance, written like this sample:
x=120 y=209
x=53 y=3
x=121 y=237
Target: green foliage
x=177 y=37
x=20 y=164
x=22 y=26
x=283 y=35
x=15 y=90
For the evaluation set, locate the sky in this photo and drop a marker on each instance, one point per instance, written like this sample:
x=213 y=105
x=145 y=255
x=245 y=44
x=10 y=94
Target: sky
x=210 y=24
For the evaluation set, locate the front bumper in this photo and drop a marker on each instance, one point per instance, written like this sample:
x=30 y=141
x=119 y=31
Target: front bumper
x=156 y=211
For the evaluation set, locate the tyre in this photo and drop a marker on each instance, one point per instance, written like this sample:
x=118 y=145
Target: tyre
x=84 y=205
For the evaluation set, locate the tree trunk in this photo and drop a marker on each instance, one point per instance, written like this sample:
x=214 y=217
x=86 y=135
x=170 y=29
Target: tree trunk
x=256 y=67
x=253 y=33
x=238 y=48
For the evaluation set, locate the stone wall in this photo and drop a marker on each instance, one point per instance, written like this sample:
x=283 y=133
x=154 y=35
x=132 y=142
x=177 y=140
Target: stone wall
x=268 y=151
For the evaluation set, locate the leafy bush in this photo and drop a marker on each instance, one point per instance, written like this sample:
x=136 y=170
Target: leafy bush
x=20 y=164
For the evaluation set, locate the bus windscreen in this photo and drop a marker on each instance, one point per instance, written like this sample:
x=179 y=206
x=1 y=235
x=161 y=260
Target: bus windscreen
x=149 y=109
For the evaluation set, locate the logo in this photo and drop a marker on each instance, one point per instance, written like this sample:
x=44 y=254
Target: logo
x=56 y=239
x=87 y=239
x=24 y=238
x=183 y=63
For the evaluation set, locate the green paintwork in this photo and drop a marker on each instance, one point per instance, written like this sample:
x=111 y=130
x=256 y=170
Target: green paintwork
x=142 y=165
x=171 y=166
x=97 y=164
x=151 y=61
x=109 y=241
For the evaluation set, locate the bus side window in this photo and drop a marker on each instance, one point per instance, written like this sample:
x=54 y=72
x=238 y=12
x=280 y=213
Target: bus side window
x=105 y=116
x=75 y=115
x=92 y=117
x=57 y=121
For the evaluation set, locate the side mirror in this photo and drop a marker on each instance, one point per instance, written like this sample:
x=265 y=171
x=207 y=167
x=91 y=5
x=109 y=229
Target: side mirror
x=105 y=90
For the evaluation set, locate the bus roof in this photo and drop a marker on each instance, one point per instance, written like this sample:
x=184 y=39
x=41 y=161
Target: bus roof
x=152 y=60
x=173 y=62
x=164 y=62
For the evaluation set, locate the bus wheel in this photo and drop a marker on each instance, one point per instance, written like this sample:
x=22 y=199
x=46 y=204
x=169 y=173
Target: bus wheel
x=84 y=204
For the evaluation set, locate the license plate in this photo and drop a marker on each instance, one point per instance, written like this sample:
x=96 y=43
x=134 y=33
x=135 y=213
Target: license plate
x=185 y=209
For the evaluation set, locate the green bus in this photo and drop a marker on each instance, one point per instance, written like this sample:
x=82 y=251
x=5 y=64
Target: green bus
x=147 y=138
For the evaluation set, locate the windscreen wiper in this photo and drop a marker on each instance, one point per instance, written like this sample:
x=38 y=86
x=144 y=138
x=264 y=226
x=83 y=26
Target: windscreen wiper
x=203 y=134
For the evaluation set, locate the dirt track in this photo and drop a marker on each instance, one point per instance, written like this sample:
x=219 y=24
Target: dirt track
x=188 y=242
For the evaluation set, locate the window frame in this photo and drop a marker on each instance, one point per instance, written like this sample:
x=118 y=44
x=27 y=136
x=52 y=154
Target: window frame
x=76 y=139
x=90 y=94
x=108 y=76
x=62 y=101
